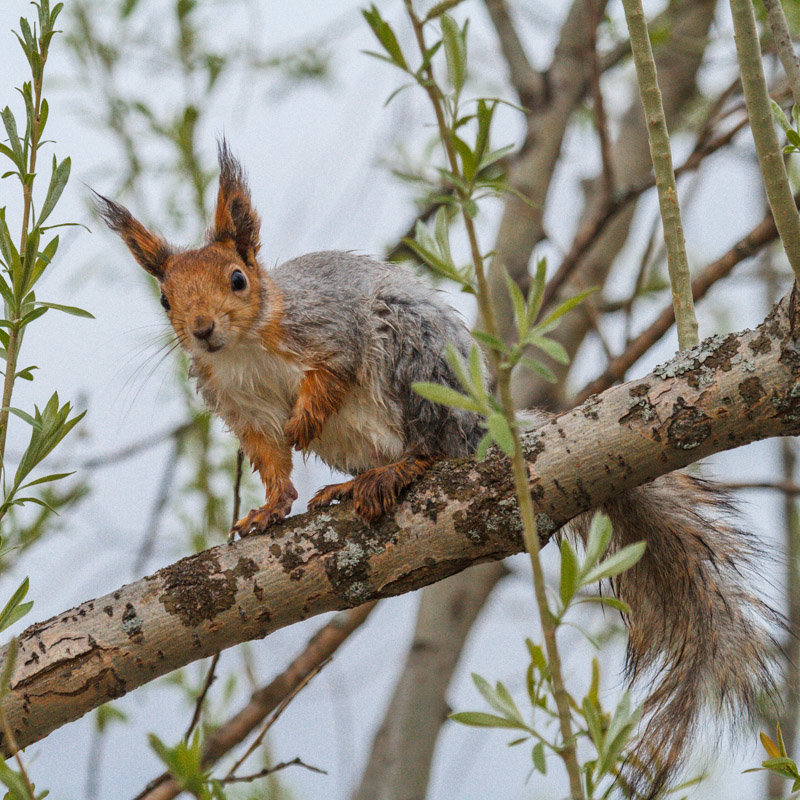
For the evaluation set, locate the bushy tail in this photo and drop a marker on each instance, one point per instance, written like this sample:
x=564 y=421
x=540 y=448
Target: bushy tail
x=699 y=631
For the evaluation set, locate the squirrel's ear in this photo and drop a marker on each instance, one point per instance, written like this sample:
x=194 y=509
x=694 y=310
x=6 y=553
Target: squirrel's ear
x=149 y=250
x=235 y=220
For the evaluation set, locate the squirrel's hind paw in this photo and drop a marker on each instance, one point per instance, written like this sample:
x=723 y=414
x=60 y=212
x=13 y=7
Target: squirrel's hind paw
x=259 y=519
x=374 y=492
x=330 y=494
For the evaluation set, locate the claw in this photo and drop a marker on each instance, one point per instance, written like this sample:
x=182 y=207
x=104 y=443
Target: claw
x=259 y=519
x=329 y=494
x=376 y=491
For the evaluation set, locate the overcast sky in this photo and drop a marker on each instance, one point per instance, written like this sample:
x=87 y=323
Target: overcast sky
x=313 y=155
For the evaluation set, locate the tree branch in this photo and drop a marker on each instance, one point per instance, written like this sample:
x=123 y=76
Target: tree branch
x=529 y=84
x=760 y=236
x=728 y=391
x=321 y=647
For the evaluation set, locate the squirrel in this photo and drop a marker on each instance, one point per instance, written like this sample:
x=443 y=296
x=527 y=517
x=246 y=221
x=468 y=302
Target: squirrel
x=320 y=354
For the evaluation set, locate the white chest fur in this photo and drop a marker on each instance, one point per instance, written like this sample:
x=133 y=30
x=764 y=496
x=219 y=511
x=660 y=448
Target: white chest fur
x=253 y=388
x=250 y=388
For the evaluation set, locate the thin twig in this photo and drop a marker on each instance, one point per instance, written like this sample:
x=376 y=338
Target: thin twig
x=589 y=309
x=198 y=706
x=529 y=84
x=589 y=232
x=133 y=449
x=764 y=233
x=770 y=158
x=295 y=762
x=11 y=745
x=600 y=119
x=14 y=334
x=237 y=487
x=785 y=486
x=782 y=40
x=502 y=374
x=164 y=492
x=320 y=648
x=274 y=717
x=661 y=155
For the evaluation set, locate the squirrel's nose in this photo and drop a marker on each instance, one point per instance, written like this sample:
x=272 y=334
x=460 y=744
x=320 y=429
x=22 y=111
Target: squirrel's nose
x=203 y=328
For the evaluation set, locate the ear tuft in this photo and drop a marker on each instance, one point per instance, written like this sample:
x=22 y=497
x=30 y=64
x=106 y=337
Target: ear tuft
x=235 y=220
x=149 y=250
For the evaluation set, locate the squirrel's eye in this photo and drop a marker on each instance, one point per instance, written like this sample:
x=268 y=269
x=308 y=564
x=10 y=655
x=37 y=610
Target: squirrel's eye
x=164 y=301
x=238 y=280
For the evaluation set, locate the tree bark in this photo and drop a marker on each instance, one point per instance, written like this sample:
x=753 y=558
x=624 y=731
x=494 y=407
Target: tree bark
x=728 y=391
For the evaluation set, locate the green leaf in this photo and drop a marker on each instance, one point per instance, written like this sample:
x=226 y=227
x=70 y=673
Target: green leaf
x=468 y=161
x=13 y=138
x=618 y=562
x=593 y=724
x=597 y=540
x=455 y=51
x=569 y=572
x=478 y=379
x=536 y=366
x=459 y=367
x=15 y=608
x=619 y=729
x=493 y=342
x=7 y=248
x=501 y=432
x=498 y=698
x=445 y=396
x=493 y=157
x=537 y=658
x=480 y=719
x=539 y=762
x=56 y=476
x=517 y=303
x=483 y=446
x=32 y=315
x=18 y=412
x=72 y=310
x=567 y=305
x=779 y=734
x=44 y=113
x=785 y=767
x=106 y=714
x=507 y=702
x=440 y=8
x=441 y=227
x=614 y=602
x=554 y=349
x=385 y=35
x=484 y=115
x=58 y=181
x=780 y=117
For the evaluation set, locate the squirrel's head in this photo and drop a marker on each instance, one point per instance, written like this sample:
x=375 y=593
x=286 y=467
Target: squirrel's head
x=215 y=296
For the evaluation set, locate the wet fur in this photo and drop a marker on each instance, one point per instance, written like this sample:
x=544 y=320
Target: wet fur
x=699 y=637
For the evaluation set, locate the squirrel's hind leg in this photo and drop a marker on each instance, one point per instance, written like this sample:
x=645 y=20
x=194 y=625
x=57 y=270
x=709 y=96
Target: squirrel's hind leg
x=375 y=492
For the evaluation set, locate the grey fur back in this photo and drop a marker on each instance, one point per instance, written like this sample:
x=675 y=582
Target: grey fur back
x=386 y=328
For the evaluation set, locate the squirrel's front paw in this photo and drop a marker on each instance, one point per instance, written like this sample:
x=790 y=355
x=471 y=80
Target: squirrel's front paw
x=259 y=519
x=301 y=429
